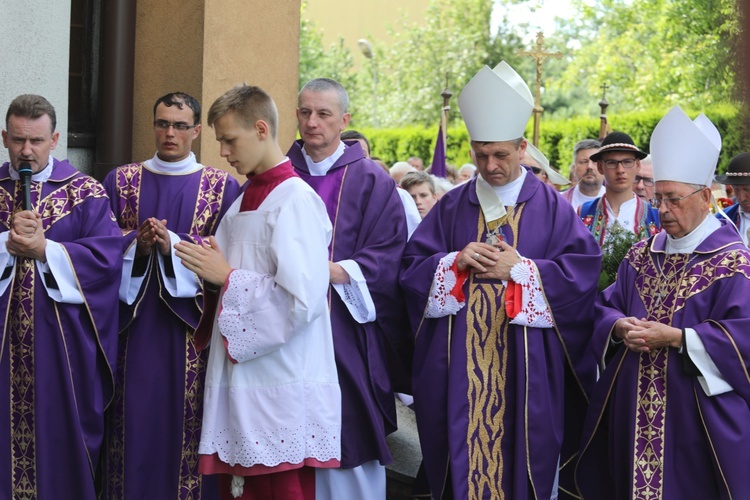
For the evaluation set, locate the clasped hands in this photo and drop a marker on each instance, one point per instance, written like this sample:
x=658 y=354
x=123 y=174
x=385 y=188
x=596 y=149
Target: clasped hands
x=26 y=236
x=643 y=336
x=206 y=260
x=487 y=261
x=152 y=232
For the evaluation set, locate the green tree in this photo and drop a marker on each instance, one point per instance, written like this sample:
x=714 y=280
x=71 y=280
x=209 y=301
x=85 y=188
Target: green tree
x=455 y=39
x=653 y=53
x=315 y=61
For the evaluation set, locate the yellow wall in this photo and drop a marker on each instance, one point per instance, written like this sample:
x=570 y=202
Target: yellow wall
x=369 y=19
x=205 y=47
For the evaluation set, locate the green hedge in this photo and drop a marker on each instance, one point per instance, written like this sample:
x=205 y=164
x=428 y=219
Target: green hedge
x=557 y=137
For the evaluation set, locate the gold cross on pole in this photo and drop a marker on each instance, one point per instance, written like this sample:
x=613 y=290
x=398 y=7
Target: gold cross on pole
x=539 y=55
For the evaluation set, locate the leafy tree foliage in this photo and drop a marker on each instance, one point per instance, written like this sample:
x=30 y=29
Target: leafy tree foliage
x=315 y=61
x=455 y=38
x=653 y=53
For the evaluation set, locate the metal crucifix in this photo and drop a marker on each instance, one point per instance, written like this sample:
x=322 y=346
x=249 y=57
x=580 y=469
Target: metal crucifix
x=539 y=55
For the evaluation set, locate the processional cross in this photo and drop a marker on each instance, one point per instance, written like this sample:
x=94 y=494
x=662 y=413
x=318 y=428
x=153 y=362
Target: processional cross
x=603 y=124
x=539 y=55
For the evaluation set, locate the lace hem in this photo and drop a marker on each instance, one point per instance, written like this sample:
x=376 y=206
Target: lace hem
x=355 y=294
x=442 y=302
x=534 y=310
x=272 y=447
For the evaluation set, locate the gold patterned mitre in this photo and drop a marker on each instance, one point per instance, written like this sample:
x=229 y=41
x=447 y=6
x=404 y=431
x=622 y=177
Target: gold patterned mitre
x=685 y=150
x=496 y=104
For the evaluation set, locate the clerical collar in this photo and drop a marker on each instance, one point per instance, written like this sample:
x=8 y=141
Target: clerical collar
x=494 y=199
x=689 y=242
x=186 y=166
x=322 y=167
x=40 y=176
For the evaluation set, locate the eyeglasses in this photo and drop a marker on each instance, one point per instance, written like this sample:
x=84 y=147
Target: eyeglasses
x=647 y=181
x=536 y=170
x=178 y=126
x=671 y=202
x=612 y=164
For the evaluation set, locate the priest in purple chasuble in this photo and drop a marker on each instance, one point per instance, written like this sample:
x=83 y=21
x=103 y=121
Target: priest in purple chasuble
x=369 y=234
x=154 y=423
x=61 y=271
x=500 y=278
x=669 y=415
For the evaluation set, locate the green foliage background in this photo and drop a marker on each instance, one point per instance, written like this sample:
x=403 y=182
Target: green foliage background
x=652 y=54
x=557 y=136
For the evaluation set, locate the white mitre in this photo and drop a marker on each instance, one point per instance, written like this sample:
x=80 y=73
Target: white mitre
x=496 y=104
x=543 y=162
x=685 y=150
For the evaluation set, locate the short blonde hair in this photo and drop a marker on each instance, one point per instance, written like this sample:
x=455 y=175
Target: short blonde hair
x=249 y=104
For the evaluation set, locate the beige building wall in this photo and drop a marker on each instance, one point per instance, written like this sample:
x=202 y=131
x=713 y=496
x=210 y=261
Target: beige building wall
x=204 y=48
x=369 y=19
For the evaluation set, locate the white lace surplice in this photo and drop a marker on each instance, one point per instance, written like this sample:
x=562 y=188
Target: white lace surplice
x=280 y=402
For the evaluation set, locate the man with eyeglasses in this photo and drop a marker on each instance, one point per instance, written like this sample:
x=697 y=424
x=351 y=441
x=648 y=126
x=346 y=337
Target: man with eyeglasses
x=738 y=176
x=618 y=160
x=586 y=178
x=154 y=422
x=643 y=185
x=669 y=416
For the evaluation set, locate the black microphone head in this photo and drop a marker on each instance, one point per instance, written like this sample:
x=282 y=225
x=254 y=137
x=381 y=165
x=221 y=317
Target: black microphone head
x=24 y=169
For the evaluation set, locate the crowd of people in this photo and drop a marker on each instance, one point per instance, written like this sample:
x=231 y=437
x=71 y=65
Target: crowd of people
x=170 y=333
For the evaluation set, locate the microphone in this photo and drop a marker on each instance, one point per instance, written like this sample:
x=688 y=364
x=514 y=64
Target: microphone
x=24 y=171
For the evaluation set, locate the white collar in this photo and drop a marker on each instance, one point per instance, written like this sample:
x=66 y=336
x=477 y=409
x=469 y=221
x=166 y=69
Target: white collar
x=40 y=176
x=323 y=166
x=185 y=166
x=689 y=242
x=494 y=199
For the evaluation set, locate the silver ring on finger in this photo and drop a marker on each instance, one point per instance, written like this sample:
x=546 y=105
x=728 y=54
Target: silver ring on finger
x=476 y=256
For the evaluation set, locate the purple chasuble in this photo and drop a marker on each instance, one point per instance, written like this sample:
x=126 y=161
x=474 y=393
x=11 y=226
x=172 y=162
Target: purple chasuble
x=154 y=422
x=651 y=431
x=498 y=404
x=57 y=362
x=369 y=227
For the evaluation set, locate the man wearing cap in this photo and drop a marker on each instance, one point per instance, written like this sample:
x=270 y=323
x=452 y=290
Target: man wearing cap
x=738 y=176
x=668 y=418
x=494 y=383
x=588 y=181
x=619 y=161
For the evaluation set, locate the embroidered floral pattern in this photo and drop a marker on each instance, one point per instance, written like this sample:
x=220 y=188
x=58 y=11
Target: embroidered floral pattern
x=441 y=302
x=534 y=311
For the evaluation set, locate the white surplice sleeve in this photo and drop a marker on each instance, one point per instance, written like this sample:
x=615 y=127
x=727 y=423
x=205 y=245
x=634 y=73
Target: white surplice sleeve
x=130 y=285
x=58 y=264
x=261 y=311
x=710 y=379
x=6 y=261
x=355 y=294
x=185 y=283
